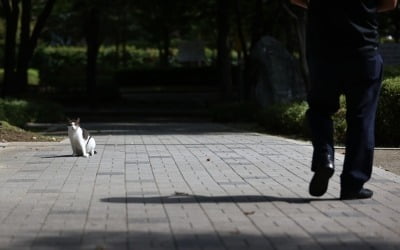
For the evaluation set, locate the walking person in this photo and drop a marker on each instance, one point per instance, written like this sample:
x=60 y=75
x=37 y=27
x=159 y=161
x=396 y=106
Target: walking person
x=343 y=58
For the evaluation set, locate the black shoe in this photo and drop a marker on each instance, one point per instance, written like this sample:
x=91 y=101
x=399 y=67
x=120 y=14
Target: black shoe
x=320 y=180
x=364 y=193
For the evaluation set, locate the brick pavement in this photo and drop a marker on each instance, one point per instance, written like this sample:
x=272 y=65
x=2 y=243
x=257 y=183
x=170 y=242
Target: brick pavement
x=184 y=186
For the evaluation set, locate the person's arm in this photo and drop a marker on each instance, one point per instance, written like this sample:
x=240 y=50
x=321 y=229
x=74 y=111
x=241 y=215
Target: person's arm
x=386 y=5
x=303 y=3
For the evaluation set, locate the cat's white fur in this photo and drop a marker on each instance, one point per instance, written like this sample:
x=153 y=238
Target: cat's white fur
x=82 y=144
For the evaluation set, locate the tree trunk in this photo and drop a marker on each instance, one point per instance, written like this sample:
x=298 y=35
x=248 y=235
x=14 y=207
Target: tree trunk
x=257 y=23
x=239 y=27
x=28 y=42
x=166 y=41
x=397 y=25
x=12 y=15
x=93 y=45
x=223 y=47
x=24 y=47
x=124 y=36
x=242 y=61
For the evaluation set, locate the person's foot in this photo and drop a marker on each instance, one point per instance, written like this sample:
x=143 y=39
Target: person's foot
x=364 y=193
x=320 y=180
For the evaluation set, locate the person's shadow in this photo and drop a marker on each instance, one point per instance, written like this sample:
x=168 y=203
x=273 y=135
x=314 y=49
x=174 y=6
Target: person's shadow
x=56 y=156
x=186 y=198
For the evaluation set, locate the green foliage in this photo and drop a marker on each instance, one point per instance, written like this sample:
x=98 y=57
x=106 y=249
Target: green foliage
x=391 y=72
x=388 y=116
x=339 y=122
x=53 y=58
x=20 y=112
x=63 y=69
x=285 y=119
x=289 y=119
x=33 y=77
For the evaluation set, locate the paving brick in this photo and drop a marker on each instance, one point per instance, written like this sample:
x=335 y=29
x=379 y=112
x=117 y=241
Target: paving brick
x=185 y=186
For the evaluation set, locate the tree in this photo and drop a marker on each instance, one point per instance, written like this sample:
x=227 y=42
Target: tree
x=16 y=68
x=162 y=19
x=92 y=29
x=11 y=12
x=224 y=48
x=90 y=14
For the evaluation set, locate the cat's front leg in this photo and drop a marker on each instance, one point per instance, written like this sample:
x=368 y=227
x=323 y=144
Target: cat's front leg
x=84 y=152
x=74 y=151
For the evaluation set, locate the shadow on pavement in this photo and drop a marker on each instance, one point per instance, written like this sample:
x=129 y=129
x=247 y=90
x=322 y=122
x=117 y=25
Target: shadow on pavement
x=209 y=199
x=234 y=239
x=163 y=128
x=57 y=156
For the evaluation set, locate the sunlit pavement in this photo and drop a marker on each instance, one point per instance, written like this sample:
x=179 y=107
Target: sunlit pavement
x=184 y=186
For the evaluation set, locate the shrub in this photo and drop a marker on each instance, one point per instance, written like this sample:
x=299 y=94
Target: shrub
x=289 y=119
x=391 y=72
x=285 y=119
x=33 y=76
x=388 y=115
x=15 y=111
x=339 y=123
x=20 y=112
x=202 y=76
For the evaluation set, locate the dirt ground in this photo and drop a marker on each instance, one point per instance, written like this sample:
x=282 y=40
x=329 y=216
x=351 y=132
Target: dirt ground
x=388 y=159
x=9 y=133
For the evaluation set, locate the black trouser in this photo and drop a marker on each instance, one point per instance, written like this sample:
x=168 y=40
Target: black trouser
x=359 y=79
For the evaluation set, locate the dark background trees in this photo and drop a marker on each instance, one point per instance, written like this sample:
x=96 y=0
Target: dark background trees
x=229 y=29
x=20 y=14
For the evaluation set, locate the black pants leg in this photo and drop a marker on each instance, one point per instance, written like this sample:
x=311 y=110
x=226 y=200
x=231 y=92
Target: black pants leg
x=359 y=79
x=361 y=100
x=323 y=101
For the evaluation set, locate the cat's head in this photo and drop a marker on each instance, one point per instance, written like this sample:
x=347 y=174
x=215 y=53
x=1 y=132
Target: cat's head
x=74 y=124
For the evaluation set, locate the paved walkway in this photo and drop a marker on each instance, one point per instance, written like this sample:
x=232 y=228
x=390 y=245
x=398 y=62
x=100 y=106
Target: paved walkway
x=184 y=186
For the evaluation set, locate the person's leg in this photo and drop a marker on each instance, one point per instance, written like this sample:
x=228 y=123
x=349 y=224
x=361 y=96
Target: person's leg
x=323 y=101
x=362 y=99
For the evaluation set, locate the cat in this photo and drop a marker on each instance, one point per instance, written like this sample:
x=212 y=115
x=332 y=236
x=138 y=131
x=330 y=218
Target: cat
x=81 y=142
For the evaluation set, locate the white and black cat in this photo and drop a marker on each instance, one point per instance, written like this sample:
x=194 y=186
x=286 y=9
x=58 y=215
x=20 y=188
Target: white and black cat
x=81 y=142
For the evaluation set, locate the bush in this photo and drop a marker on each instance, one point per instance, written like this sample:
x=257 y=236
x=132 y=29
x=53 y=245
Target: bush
x=202 y=76
x=33 y=77
x=289 y=119
x=63 y=69
x=388 y=115
x=20 y=112
x=285 y=119
x=15 y=111
x=339 y=123
x=391 y=72
x=53 y=58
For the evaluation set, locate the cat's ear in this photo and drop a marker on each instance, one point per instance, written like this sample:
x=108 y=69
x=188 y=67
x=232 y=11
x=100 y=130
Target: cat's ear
x=69 y=120
x=78 y=120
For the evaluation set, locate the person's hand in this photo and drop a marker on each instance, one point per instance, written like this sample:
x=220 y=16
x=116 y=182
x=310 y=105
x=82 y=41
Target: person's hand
x=385 y=5
x=301 y=3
